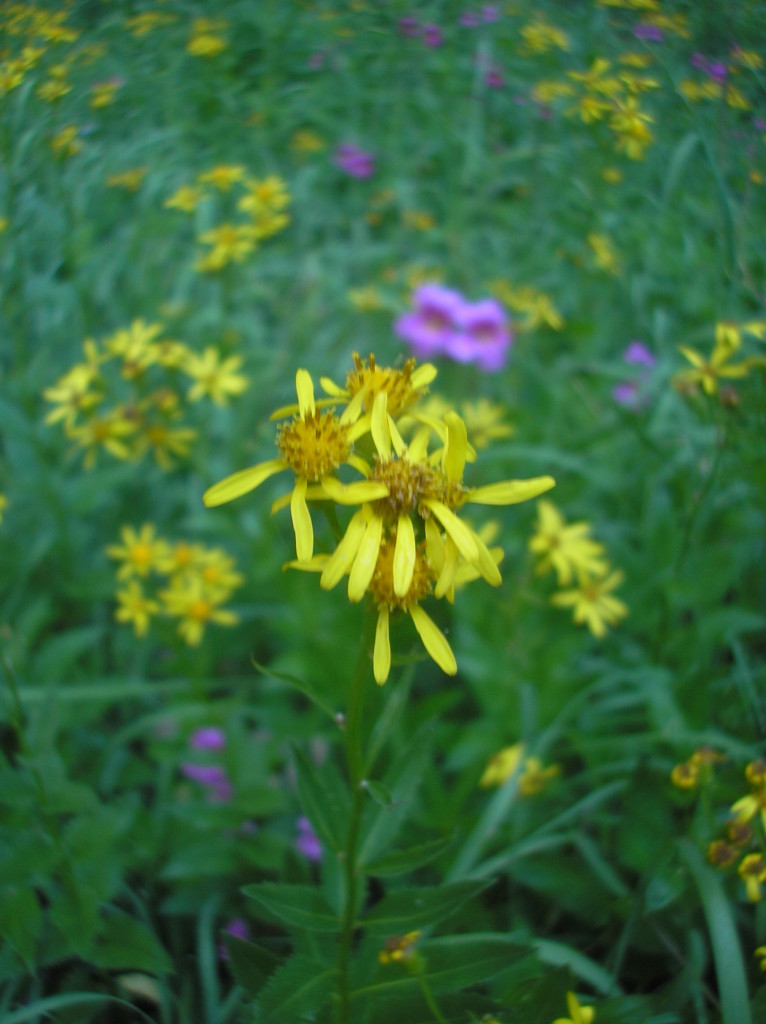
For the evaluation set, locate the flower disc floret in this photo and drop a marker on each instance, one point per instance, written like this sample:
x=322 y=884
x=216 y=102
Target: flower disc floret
x=410 y=483
x=382 y=583
x=314 y=445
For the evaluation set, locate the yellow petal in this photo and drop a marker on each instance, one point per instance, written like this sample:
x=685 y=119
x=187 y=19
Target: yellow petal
x=331 y=388
x=435 y=551
x=434 y=640
x=353 y=410
x=305 y=388
x=456 y=448
x=418 y=446
x=342 y=558
x=316 y=563
x=404 y=556
x=396 y=438
x=457 y=530
x=487 y=564
x=304 y=531
x=379 y=426
x=510 y=492
x=423 y=375
x=240 y=483
x=447 y=575
x=366 y=558
x=381 y=658
x=353 y=494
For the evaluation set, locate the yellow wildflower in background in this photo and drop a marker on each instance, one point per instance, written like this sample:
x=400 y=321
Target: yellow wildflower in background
x=140 y=552
x=135 y=607
x=605 y=255
x=66 y=142
x=565 y=548
x=195 y=605
x=752 y=871
x=398 y=949
x=264 y=195
x=540 y=36
x=631 y=126
x=214 y=377
x=205 y=44
x=532 y=776
x=229 y=243
x=3 y=505
x=186 y=198
x=142 y=24
x=102 y=94
x=130 y=180
x=536 y=307
x=307 y=141
x=593 y=603
x=223 y=176
x=366 y=299
x=419 y=220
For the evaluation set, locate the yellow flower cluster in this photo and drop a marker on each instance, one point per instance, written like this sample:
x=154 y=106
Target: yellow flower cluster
x=697 y=769
x=569 y=551
x=604 y=253
x=34 y=28
x=206 y=39
x=399 y=949
x=539 y=36
x=262 y=201
x=188 y=582
x=535 y=308
x=707 y=372
x=744 y=842
x=125 y=395
x=610 y=95
x=532 y=776
x=405 y=542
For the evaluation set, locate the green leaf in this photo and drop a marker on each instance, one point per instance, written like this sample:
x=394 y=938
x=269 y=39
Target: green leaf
x=457 y=961
x=677 y=164
x=323 y=797
x=46 y=1007
x=20 y=920
x=724 y=939
x=378 y=792
x=401 y=861
x=251 y=964
x=298 y=684
x=300 y=987
x=301 y=906
x=124 y=943
x=411 y=909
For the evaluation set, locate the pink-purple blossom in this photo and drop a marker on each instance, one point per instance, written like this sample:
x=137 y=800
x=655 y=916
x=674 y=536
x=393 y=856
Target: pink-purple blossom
x=444 y=323
x=648 y=32
x=354 y=161
x=239 y=928
x=208 y=737
x=637 y=354
x=409 y=27
x=212 y=776
x=308 y=842
x=432 y=35
x=631 y=394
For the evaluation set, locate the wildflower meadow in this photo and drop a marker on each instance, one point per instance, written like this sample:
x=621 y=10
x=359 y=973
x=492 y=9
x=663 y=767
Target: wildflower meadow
x=383 y=512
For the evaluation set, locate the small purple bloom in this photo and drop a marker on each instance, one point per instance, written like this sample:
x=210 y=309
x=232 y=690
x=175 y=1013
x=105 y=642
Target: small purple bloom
x=308 y=843
x=469 y=19
x=650 y=33
x=237 y=927
x=493 y=78
x=484 y=336
x=409 y=27
x=354 y=161
x=699 y=61
x=432 y=35
x=490 y=12
x=717 y=71
x=637 y=354
x=213 y=777
x=208 y=737
x=428 y=328
x=626 y=393
x=759 y=125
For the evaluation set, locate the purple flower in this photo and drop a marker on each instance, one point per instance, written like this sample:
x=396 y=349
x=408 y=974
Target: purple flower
x=428 y=328
x=354 y=161
x=208 y=737
x=308 y=843
x=650 y=33
x=213 y=777
x=432 y=35
x=626 y=393
x=699 y=61
x=637 y=354
x=409 y=27
x=493 y=78
x=239 y=928
x=489 y=12
x=717 y=71
x=469 y=19
x=484 y=336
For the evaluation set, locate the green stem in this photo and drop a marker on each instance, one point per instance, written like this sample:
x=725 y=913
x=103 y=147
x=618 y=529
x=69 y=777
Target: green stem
x=432 y=1005
x=355 y=761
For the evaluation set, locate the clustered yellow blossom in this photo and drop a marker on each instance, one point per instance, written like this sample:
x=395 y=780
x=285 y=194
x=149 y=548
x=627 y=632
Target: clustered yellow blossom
x=485 y=421
x=254 y=208
x=405 y=541
x=129 y=180
x=125 y=395
x=540 y=36
x=533 y=308
x=697 y=769
x=32 y=30
x=399 y=949
x=532 y=777
x=745 y=840
x=708 y=371
x=610 y=95
x=177 y=580
x=569 y=551
x=205 y=39
x=578 y=1014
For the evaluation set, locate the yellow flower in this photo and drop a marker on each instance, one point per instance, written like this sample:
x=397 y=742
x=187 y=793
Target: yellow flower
x=761 y=952
x=754 y=803
x=229 y=242
x=605 y=255
x=591 y=108
x=708 y=372
x=109 y=431
x=307 y=141
x=130 y=180
x=3 y=505
x=577 y=1014
x=419 y=220
x=72 y=395
x=686 y=775
x=140 y=552
x=537 y=307
x=186 y=198
x=540 y=36
x=213 y=376
x=484 y=422
x=613 y=175
x=532 y=777
x=66 y=142
x=53 y=89
x=367 y=380
x=165 y=442
x=398 y=949
x=752 y=871
x=593 y=603
x=217 y=572
x=366 y=299
x=722 y=854
x=182 y=558
x=205 y=44
x=314 y=445
x=567 y=549
x=630 y=124
x=135 y=346
x=142 y=24
x=264 y=196
x=549 y=90
x=195 y=605
x=135 y=607
x=223 y=176
x=102 y=94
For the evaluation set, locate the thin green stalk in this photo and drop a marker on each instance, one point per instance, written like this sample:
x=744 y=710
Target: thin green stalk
x=432 y=1005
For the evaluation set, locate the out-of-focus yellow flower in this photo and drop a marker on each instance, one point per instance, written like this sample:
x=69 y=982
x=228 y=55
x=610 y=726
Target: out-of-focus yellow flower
x=612 y=175
x=164 y=441
x=230 y=243
x=214 y=376
x=142 y=24
x=722 y=854
x=264 y=195
x=485 y=422
x=605 y=255
x=747 y=58
x=532 y=776
x=761 y=952
x=419 y=220
x=536 y=307
x=549 y=90
x=3 y=505
x=366 y=299
x=205 y=44
x=591 y=108
x=223 y=176
x=307 y=141
x=566 y=548
x=66 y=142
x=140 y=552
x=135 y=607
x=752 y=871
x=54 y=89
x=593 y=603
x=631 y=125
x=540 y=36
x=189 y=600
x=706 y=373
x=186 y=198
x=110 y=432
x=130 y=180
x=103 y=94
x=577 y=1014
x=735 y=98
x=398 y=949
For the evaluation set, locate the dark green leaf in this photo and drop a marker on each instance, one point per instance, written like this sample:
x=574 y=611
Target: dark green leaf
x=301 y=906
x=401 y=861
x=300 y=987
x=412 y=909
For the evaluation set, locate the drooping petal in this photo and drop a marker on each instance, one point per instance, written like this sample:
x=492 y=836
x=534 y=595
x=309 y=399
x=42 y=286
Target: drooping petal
x=366 y=559
x=316 y=563
x=447 y=575
x=423 y=375
x=304 y=531
x=353 y=410
x=456 y=449
x=397 y=440
x=331 y=388
x=434 y=546
x=381 y=657
x=379 y=429
x=456 y=529
x=342 y=558
x=434 y=640
x=305 y=389
x=404 y=555
x=353 y=494
x=240 y=483
x=418 y=446
x=487 y=565
x=510 y=492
